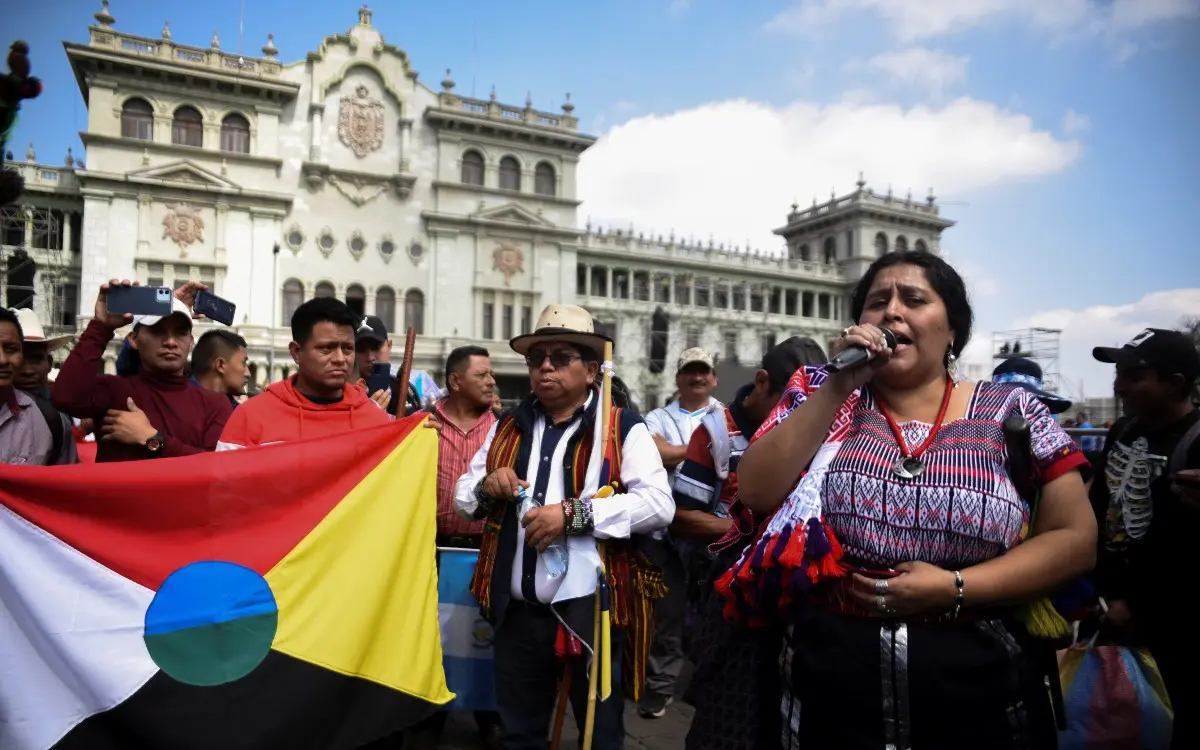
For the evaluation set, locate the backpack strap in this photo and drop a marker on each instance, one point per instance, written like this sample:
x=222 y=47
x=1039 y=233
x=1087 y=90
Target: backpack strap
x=55 y=423
x=1179 y=457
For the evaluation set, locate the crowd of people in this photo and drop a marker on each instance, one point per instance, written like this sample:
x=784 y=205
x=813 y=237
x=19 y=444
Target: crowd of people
x=847 y=557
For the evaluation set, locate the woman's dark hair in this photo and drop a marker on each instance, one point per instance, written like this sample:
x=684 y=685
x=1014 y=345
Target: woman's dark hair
x=940 y=275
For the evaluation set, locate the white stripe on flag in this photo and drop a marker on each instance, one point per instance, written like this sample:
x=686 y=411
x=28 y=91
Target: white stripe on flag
x=70 y=636
x=465 y=633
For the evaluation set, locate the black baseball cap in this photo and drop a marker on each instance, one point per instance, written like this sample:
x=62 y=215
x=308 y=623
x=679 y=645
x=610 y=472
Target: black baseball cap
x=1027 y=374
x=371 y=328
x=1159 y=348
x=782 y=360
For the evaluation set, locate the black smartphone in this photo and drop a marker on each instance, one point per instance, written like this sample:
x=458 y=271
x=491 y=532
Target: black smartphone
x=214 y=308
x=139 y=300
x=381 y=377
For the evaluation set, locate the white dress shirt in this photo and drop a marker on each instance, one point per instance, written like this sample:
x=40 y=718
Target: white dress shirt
x=645 y=506
x=675 y=424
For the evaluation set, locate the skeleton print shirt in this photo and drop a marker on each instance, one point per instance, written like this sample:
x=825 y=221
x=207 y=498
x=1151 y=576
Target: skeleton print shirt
x=1145 y=531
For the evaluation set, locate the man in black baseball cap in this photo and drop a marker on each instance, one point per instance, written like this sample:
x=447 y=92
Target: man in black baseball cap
x=371 y=344
x=1149 y=508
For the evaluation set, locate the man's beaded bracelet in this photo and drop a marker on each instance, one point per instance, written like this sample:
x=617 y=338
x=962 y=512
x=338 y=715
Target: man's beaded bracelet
x=577 y=516
x=483 y=502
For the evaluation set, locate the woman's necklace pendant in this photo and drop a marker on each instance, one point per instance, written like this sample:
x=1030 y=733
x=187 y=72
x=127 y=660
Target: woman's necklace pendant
x=907 y=467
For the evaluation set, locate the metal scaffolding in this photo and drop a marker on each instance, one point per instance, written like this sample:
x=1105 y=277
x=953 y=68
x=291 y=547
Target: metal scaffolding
x=1038 y=344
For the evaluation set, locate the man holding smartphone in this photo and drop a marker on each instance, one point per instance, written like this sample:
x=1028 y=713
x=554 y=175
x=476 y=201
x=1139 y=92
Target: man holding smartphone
x=155 y=412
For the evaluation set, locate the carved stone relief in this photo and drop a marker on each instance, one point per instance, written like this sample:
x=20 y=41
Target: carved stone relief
x=183 y=225
x=360 y=122
x=508 y=260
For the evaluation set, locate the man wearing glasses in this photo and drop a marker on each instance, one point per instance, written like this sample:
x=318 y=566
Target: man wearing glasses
x=549 y=450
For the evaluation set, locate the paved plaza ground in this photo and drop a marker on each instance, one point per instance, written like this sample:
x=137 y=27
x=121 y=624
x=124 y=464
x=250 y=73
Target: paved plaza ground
x=666 y=733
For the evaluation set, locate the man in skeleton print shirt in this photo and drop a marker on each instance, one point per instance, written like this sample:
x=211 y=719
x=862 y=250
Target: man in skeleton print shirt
x=1148 y=502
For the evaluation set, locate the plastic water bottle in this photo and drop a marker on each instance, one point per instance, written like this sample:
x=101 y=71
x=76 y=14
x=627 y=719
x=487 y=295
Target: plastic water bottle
x=555 y=556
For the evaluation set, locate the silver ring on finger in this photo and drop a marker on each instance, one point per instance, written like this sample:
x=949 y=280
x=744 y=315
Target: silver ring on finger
x=881 y=603
x=845 y=331
x=881 y=586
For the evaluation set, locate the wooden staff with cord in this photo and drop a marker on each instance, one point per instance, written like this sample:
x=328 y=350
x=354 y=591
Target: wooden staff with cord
x=401 y=384
x=597 y=652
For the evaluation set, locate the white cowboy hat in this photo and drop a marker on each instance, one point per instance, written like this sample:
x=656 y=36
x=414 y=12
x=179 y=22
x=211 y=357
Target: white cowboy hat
x=31 y=329
x=569 y=324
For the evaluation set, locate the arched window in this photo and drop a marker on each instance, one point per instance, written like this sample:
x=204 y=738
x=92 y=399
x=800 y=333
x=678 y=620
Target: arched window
x=356 y=299
x=472 y=168
x=830 y=250
x=385 y=306
x=920 y=246
x=545 y=181
x=510 y=174
x=137 y=120
x=188 y=128
x=880 y=244
x=414 y=311
x=293 y=297
x=901 y=244
x=235 y=134
x=324 y=289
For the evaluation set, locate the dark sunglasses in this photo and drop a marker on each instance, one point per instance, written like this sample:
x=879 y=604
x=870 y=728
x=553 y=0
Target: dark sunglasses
x=559 y=358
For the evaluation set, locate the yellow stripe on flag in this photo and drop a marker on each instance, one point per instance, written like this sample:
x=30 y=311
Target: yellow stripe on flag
x=359 y=594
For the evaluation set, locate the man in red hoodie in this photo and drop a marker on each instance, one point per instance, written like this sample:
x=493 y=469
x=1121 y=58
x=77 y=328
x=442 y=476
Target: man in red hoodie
x=154 y=413
x=321 y=399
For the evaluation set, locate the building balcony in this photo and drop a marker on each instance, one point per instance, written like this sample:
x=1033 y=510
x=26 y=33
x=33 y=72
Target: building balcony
x=659 y=254
x=598 y=306
x=166 y=50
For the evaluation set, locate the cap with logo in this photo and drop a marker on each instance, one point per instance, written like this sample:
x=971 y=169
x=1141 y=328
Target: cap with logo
x=1159 y=348
x=371 y=328
x=693 y=356
x=177 y=308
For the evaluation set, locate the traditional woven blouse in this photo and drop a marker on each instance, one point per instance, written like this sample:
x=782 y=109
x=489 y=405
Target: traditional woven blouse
x=964 y=508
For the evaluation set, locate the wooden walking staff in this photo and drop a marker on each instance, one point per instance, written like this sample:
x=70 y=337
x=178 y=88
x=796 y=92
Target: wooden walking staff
x=401 y=384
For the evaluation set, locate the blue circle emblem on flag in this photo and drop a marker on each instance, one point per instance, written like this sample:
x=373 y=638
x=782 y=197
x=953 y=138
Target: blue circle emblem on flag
x=211 y=622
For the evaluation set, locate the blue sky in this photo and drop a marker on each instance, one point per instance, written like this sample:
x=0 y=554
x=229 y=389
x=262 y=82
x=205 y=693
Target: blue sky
x=1060 y=133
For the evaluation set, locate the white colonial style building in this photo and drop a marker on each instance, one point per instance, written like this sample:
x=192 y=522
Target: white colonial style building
x=344 y=175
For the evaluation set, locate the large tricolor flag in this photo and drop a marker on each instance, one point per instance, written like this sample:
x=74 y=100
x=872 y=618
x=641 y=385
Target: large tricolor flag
x=277 y=597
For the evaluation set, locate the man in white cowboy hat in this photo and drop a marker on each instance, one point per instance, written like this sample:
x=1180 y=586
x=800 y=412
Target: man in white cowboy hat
x=549 y=450
x=33 y=377
x=39 y=350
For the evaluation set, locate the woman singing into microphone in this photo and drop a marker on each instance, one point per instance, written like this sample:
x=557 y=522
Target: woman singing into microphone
x=912 y=638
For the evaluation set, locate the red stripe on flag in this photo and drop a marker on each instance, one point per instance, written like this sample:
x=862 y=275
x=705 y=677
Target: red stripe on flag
x=145 y=519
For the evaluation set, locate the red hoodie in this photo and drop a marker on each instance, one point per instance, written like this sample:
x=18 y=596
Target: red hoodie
x=281 y=414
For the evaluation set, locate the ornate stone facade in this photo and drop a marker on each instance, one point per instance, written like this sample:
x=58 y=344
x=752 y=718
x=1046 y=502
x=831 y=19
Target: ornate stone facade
x=360 y=123
x=508 y=260
x=183 y=225
x=344 y=175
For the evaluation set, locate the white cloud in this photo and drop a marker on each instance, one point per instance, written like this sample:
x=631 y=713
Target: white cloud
x=679 y=7
x=921 y=19
x=1074 y=123
x=732 y=168
x=932 y=71
x=1105 y=325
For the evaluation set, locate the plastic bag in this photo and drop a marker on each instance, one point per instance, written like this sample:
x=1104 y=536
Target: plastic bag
x=1114 y=699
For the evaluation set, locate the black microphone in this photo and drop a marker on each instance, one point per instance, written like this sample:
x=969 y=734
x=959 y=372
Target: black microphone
x=857 y=356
